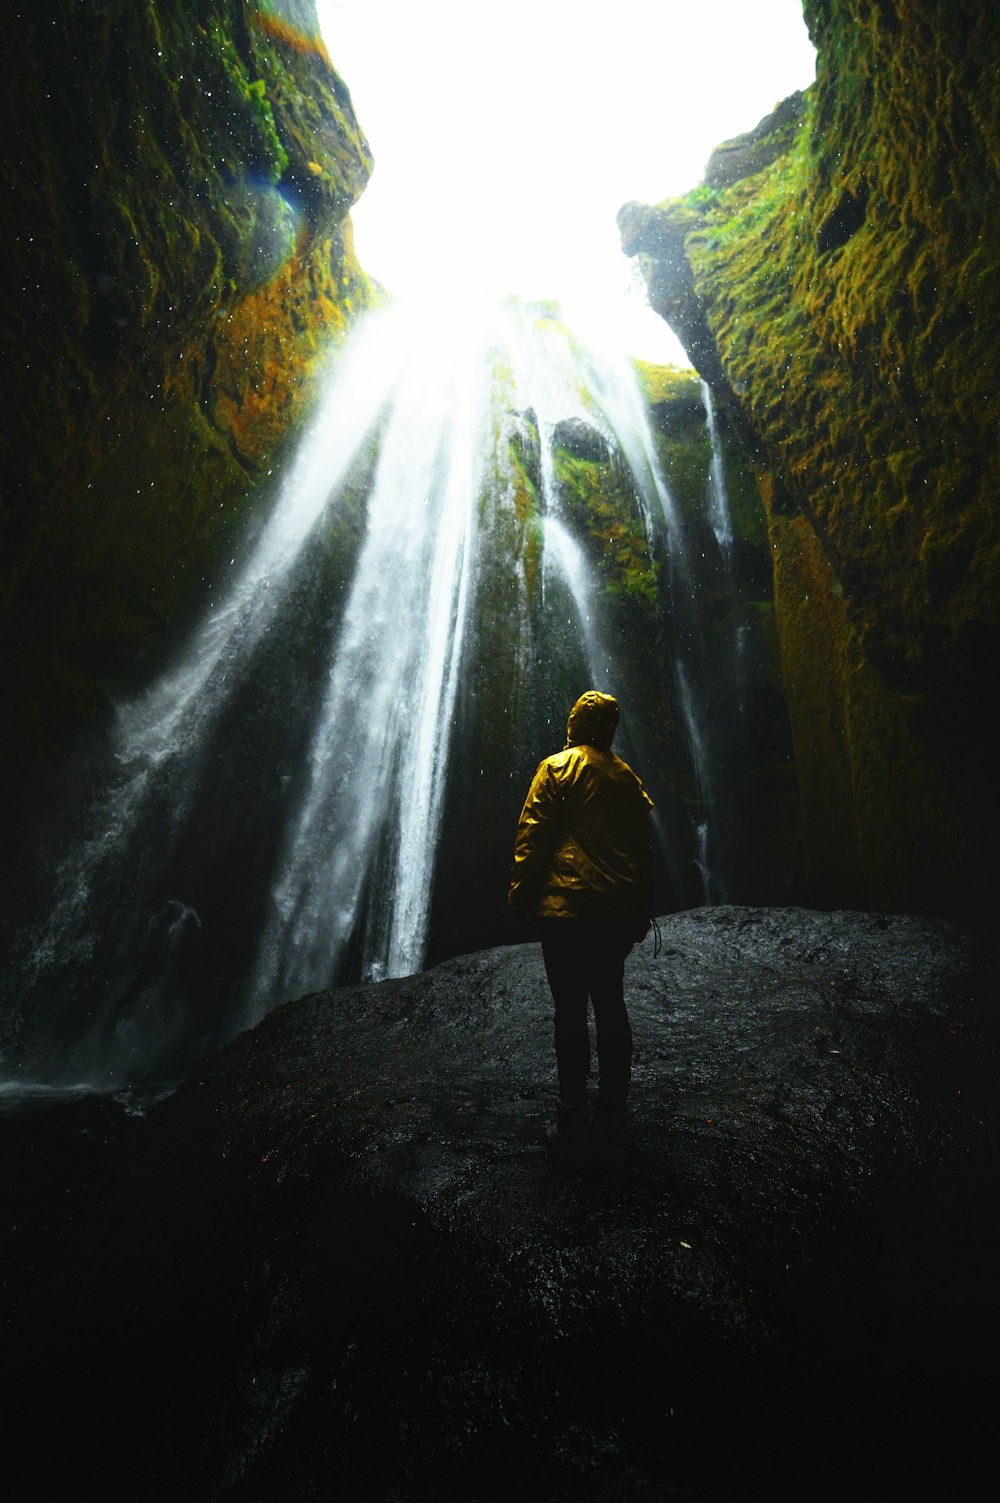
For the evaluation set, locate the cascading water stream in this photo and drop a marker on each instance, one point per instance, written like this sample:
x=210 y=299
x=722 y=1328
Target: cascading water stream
x=380 y=751
x=94 y=944
x=269 y=822
x=565 y=556
x=721 y=522
x=545 y=380
x=575 y=381
x=613 y=391
x=613 y=388
x=719 y=513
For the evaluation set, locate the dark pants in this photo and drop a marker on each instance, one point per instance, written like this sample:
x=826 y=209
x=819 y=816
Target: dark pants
x=586 y=959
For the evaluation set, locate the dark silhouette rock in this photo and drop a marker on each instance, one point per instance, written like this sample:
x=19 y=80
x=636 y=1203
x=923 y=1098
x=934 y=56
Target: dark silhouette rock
x=341 y=1260
x=656 y=236
x=751 y=152
x=582 y=440
x=678 y=418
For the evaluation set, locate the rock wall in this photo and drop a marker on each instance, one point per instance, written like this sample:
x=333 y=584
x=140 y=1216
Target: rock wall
x=178 y=183
x=178 y=258
x=835 y=279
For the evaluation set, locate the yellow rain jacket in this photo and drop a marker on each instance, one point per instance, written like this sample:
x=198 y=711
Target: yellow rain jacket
x=584 y=846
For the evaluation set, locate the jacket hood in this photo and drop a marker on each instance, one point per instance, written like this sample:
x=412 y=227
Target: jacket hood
x=593 y=721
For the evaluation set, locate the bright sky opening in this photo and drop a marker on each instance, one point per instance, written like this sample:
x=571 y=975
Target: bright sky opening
x=507 y=137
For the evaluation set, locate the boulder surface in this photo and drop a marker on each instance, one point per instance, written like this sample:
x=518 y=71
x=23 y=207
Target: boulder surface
x=342 y=1261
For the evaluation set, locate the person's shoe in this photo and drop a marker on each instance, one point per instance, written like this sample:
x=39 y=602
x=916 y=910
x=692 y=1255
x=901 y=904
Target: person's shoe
x=570 y=1135
x=610 y=1134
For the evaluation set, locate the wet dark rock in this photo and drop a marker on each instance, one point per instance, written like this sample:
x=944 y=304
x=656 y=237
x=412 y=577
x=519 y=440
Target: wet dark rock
x=582 y=440
x=756 y=149
x=342 y=1262
x=524 y=436
x=656 y=235
x=678 y=418
x=55 y=1147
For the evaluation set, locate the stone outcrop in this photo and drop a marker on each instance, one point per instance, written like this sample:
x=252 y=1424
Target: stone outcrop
x=657 y=236
x=341 y=1257
x=581 y=440
x=835 y=280
x=756 y=149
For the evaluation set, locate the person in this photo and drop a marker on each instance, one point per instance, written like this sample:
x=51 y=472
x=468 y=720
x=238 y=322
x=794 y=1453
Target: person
x=583 y=867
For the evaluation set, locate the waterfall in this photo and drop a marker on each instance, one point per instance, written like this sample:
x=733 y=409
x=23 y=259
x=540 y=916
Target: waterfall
x=614 y=393
x=268 y=818
x=547 y=381
x=111 y=942
x=565 y=557
x=570 y=378
x=707 y=827
x=379 y=754
x=719 y=515
x=721 y=522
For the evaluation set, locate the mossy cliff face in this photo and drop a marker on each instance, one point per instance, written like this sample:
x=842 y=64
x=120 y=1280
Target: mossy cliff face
x=737 y=662
x=178 y=255
x=835 y=278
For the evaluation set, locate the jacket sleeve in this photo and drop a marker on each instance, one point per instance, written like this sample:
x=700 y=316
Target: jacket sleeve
x=537 y=833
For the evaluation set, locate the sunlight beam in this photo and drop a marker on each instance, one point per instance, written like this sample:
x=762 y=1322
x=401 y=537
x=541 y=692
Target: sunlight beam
x=506 y=138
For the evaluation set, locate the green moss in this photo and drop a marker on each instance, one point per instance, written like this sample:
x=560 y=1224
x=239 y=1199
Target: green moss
x=880 y=821
x=686 y=463
x=848 y=295
x=666 y=383
x=169 y=307
x=276 y=157
x=857 y=267
x=599 y=501
x=528 y=546
x=701 y=198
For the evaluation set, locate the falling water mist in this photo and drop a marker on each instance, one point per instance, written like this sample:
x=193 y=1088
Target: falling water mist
x=268 y=818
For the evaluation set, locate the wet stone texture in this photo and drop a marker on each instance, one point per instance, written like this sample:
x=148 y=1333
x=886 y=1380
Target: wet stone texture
x=341 y=1262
